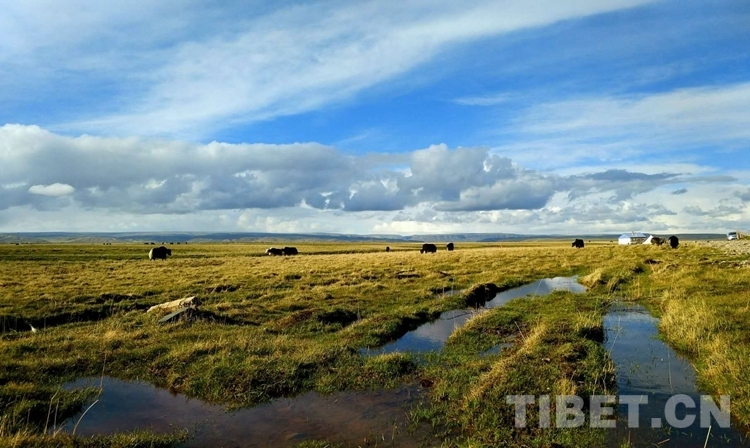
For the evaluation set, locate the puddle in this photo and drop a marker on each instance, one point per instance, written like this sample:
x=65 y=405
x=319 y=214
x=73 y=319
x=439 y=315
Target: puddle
x=427 y=337
x=350 y=418
x=432 y=335
x=647 y=366
x=539 y=288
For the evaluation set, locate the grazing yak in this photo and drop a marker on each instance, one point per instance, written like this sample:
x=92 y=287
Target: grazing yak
x=657 y=240
x=449 y=246
x=274 y=251
x=427 y=248
x=159 y=252
x=387 y=248
x=578 y=243
x=290 y=251
x=673 y=242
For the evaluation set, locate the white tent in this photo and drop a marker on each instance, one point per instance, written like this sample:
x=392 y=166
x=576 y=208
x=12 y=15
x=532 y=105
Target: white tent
x=632 y=238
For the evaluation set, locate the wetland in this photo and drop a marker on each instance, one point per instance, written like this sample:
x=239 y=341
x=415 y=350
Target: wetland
x=299 y=351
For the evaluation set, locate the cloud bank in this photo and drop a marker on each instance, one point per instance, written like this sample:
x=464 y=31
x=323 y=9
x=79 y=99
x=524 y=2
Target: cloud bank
x=439 y=186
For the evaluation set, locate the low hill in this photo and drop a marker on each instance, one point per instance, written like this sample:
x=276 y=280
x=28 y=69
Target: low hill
x=198 y=237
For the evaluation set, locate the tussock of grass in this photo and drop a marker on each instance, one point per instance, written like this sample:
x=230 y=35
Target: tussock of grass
x=594 y=279
x=500 y=370
x=485 y=329
x=318 y=444
x=471 y=326
x=551 y=354
x=136 y=439
x=690 y=324
x=588 y=325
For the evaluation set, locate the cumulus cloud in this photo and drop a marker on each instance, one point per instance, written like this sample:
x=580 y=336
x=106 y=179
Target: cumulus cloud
x=719 y=211
x=694 y=210
x=261 y=186
x=623 y=184
x=56 y=189
x=160 y=176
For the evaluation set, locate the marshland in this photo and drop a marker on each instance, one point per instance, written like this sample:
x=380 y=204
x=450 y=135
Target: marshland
x=303 y=333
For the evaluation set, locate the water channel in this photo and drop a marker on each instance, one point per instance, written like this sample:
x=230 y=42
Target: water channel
x=648 y=367
x=645 y=366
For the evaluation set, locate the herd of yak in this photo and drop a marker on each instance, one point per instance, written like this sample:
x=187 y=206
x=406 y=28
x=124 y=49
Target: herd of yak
x=162 y=252
x=673 y=242
x=426 y=248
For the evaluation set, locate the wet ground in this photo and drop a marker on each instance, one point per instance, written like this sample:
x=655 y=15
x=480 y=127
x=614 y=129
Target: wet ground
x=432 y=335
x=647 y=366
x=351 y=418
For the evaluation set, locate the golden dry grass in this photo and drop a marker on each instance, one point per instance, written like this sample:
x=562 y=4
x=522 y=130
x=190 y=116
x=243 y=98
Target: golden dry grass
x=273 y=326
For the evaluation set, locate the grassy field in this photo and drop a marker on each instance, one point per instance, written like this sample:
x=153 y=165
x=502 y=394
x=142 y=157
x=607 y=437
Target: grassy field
x=278 y=326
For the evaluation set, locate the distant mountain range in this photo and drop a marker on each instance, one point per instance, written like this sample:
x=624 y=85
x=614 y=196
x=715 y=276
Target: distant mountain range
x=197 y=237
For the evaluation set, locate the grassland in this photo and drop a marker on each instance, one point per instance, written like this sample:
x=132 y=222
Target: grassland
x=278 y=326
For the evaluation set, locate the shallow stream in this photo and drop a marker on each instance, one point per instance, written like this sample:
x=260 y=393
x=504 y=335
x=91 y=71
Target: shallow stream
x=431 y=336
x=644 y=366
x=649 y=367
x=351 y=418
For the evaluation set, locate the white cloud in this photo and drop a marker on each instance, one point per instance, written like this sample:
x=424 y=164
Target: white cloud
x=487 y=100
x=636 y=129
x=188 y=68
x=56 y=189
x=136 y=183
x=692 y=115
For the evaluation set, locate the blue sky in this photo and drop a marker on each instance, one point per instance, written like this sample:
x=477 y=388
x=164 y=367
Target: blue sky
x=376 y=117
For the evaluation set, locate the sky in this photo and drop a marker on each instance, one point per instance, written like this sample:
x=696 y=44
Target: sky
x=375 y=117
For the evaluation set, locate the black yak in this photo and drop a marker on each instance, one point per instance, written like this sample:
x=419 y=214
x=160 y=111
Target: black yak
x=656 y=240
x=159 y=252
x=578 y=243
x=449 y=246
x=290 y=251
x=673 y=242
x=274 y=251
x=427 y=248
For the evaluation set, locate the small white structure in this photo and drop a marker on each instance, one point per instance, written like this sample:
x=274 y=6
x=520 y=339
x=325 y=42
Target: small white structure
x=632 y=238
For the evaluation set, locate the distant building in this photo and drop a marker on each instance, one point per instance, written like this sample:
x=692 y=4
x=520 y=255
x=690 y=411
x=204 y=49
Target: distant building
x=632 y=238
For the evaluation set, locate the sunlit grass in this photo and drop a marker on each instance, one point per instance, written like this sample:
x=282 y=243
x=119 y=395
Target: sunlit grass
x=275 y=326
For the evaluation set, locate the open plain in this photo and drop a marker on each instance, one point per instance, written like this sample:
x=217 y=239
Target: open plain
x=283 y=326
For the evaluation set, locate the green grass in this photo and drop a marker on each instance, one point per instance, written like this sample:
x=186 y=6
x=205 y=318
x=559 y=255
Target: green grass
x=277 y=326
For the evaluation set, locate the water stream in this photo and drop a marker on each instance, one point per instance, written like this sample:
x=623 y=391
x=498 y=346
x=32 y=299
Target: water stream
x=647 y=366
x=644 y=366
x=351 y=418
x=431 y=336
